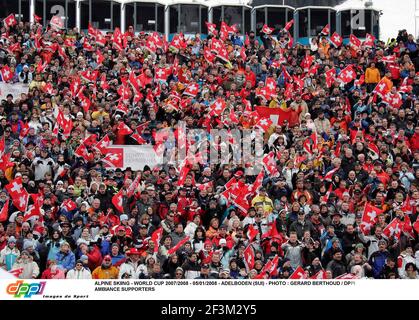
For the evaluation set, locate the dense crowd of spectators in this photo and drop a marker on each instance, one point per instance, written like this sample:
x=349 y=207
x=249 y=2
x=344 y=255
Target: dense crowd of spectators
x=298 y=218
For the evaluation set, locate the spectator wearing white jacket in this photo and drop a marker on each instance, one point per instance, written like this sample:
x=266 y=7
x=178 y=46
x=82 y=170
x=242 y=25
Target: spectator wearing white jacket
x=79 y=272
x=43 y=165
x=28 y=268
x=191 y=226
x=132 y=267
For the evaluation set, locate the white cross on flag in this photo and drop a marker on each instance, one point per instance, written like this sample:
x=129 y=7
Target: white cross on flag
x=192 y=90
x=381 y=88
x=209 y=56
x=354 y=41
x=326 y=30
x=161 y=74
x=18 y=194
x=103 y=145
x=394 y=228
x=299 y=273
x=369 y=217
x=211 y=28
x=264 y=124
x=369 y=40
x=114 y=159
x=117 y=201
x=336 y=39
x=347 y=75
x=249 y=257
x=6 y=74
x=124 y=129
x=270 y=164
x=10 y=20
x=217 y=107
x=389 y=59
x=330 y=77
x=266 y=29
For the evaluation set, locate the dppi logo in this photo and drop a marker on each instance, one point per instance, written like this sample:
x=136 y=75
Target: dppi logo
x=27 y=290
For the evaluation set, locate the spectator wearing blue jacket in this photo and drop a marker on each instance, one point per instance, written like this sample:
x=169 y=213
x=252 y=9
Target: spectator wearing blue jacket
x=378 y=259
x=65 y=257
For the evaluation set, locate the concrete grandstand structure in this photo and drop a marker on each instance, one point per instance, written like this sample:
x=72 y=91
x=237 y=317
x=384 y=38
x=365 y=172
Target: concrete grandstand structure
x=189 y=16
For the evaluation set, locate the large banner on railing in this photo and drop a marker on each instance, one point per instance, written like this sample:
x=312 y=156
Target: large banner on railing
x=135 y=157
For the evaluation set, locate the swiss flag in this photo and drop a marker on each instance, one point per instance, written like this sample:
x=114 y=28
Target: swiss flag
x=156 y=238
x=394 y=228
x=34 y=211
x=117 y=39
x=354 y=41
x=161 y=74
x=75 y=86
x=369 y=40
x=208 y=55
x=69 y=205
x=326 y=30
x=99 y=57
x=216 y=45
x=85 y=102
x=369 y=217
x=223 y=54
x=329 y=175
x=266 y=29
x=270 y=164
x=124 y=129
x=100 y=38
x=252 y=232
x=178 y=42
x=264 y=124
x=381 y=88
x=114 y=158
x=347 y=75
x=336 y=39
x=212 y=28
x=132 y=189
x=258 y=182
x=6 y=73
x=37 y=19
x=10 y=20
x=103 y=145
x=217 y=107
x=18 y=193
x=192 y=89
x=270 y=86
x=4 y=213
x=138 y=138
x=319 y=275
x=289 y=25
x=157 y=39
x=330 y=77
x=393 y=99
x=150 y=45
x=249 y=257
x=173 y=250
x=205 y=186
x=389 y=59
x=82 y=152
x=299 y=273
x=117 y=201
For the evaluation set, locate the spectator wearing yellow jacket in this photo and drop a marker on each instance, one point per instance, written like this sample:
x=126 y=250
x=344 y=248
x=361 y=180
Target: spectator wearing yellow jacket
x=372 y=77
